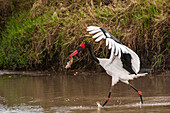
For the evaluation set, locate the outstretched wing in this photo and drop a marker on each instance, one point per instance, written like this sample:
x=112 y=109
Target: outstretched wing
x=111 y=41
x=129 y=58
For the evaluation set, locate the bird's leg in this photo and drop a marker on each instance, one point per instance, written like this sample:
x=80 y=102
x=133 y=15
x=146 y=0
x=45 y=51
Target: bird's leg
x=108 y=98
x=139 y=92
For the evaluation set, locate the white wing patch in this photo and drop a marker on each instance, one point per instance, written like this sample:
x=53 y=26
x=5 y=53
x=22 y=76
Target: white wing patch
x=116 y=47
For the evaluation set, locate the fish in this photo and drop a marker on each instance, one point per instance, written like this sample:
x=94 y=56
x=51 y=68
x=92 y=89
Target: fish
x=69 y=63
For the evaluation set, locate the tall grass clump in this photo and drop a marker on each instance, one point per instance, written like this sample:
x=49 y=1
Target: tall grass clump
x=42 y=37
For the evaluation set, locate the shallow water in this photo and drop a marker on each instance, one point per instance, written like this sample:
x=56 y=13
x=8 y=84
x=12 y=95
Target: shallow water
x=79 y=93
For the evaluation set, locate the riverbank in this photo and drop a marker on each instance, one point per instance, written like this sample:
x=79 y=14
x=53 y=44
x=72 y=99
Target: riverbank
x=41 y=36
x=10 y=73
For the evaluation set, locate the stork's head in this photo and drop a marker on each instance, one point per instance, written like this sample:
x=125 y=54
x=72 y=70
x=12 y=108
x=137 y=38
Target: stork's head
x=84 y=45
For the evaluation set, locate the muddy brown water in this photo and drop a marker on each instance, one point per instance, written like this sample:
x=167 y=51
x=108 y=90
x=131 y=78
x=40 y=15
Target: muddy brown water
x=63 y=93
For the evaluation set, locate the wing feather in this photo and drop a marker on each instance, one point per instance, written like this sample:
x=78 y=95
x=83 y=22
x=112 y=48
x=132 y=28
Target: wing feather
x=116 y=51
x=91 y=28
x=135 y=60
x=111 y=41
x=113 y=46
x=97 y=34
x=107 y=42
x=110 y=44
x=94 y=31
x=100 y=37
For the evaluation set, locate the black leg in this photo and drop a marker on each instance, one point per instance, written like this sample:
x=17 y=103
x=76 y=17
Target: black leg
x=108 y=98
x=139 y=92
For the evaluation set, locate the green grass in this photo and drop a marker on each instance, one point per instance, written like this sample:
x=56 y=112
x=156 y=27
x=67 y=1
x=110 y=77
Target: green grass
x=36 y=39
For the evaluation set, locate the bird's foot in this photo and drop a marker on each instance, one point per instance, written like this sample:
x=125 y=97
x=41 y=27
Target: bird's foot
x=98 y=105
x=141 y=104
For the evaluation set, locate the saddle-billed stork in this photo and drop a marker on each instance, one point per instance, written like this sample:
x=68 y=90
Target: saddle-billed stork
x=123 y=64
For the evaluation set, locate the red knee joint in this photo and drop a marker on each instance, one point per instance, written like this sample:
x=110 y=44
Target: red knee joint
x=139 y=92
x=108 y=99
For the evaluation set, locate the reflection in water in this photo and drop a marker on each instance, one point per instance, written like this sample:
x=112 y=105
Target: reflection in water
x=65 y=93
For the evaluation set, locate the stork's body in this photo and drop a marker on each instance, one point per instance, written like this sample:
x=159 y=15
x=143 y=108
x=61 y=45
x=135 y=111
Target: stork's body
x=123 y=64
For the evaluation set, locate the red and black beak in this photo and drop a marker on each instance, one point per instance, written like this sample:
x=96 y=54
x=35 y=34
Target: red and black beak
x=77 y=50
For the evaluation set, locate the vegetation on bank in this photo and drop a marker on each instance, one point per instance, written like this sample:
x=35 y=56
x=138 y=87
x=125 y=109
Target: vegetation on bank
x=43 y=36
